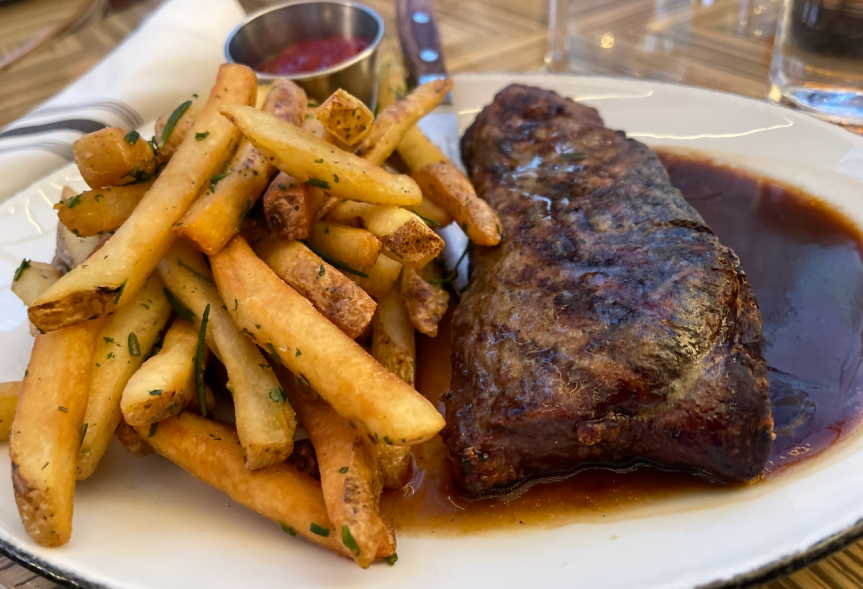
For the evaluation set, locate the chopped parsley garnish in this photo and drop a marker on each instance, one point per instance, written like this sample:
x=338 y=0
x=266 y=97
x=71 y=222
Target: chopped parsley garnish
x=236 y=304
x=63 y=409
x=73 y=201
x=153 y=427
x=250 y=334
x=318 y=183
x=282 y=186
x=108 y=340
x=392 y=558
x=132 y=137
x=288 y=529
x=156 y=393
x=336 y=178
x=320 y=161
x=134 y=346
x=202 y=136
x=172 y=122
x=83 y=433
x=388 y=440
x=575 y=155
x=243 y=215
x=335 y=262
x=120 y=291
x=277 y=395
x=25 y=263
x=454 y=272
x=428 y=221
x=298 y=354
x=273 y=355
x=179 y=308
x=319 y=530
x=343 y=470
x=348 y=540
x=199 y=362
x=218 y=178
x=322 y=271
x=204 y=277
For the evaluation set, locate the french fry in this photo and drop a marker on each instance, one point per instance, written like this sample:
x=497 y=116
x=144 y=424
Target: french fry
x=391 y=78
x=130 y=256
x=380 y=278
x=417 y=151
x=290 y=207
x=393 y=341
x=126 y=340
x=303 y=457
x=112 y=156
x=71 y=250
x=431 y=213
x=99 y=211
x=447 y=186
x=345 y=116
x=164 y=383
x=181 y=127
x=219 y=213
x=425 y=302
x=31 y=279
x=349 y=472
x=131 y=441
x=405 y=237
x=394 y=346
x=391 y=123
x=9 y=394
x=321 y=164
x=265 y=421
x=211 y=452
x=334 y=295
x=46 y=431
x=318 y=353
x=357 y=248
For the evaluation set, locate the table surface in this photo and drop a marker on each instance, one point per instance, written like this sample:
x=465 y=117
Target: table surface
x=720 y=44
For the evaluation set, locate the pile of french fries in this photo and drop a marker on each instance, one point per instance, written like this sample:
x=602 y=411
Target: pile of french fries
x=168 y=264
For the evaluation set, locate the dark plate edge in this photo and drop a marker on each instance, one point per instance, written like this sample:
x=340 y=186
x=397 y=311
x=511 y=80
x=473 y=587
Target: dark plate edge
x=765 y=574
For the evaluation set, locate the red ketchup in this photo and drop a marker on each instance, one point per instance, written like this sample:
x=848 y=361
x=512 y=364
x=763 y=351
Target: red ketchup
x=310 y=56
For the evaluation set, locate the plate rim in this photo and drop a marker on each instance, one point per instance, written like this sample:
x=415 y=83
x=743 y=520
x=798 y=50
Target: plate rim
x=745 y=580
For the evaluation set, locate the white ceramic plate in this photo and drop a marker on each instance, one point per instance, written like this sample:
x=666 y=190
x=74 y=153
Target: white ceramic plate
x=145 y=524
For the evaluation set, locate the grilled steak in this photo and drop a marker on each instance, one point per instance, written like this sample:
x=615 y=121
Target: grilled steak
x=610 y=326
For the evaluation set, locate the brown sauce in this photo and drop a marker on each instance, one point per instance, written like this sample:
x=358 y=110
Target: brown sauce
x=803 y=260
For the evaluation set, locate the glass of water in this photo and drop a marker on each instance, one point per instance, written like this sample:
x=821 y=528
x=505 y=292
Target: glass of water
x=818 y=59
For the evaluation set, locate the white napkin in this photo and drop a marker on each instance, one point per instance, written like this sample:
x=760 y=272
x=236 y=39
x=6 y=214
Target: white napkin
x=172 y=55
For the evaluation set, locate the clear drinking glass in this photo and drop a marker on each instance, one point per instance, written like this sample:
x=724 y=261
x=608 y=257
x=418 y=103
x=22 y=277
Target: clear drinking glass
x=818 y=59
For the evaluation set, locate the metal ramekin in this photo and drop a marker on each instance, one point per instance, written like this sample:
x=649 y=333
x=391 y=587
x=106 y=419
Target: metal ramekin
x=266 y=33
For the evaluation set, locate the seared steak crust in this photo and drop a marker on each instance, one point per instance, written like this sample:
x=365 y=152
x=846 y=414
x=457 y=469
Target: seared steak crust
x=610 y=326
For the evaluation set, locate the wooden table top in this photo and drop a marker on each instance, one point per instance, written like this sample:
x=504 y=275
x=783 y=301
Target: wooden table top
x=720 y=44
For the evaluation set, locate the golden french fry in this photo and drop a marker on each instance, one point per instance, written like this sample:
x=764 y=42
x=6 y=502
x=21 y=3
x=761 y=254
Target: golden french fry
x=447 y=186
x=417 y=151
x=345 y=116
x=265 y=422
x=391 y=123
x=331 y=292
x=211 y=452
x=9 y=394
x=318 y=353
x=380 y=278
x=102 y=210
x=393 y=340
x=219 y=213
x=71 y=250
x=164 y=383
x=124 y=342
x=391 y=78
x=180 y=129
x=321 y=164
x=431 y=213
x=426 y=303
x=290 y=207
x=131 y=441
x=112 y=156
x=349 y=472
x=405 y=237
x=394 y=346
x=31 y=279
x=46 y=431
x=357 y=248
x=130 y=256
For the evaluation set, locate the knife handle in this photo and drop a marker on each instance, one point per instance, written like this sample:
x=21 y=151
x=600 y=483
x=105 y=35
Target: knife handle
x=419 y=39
